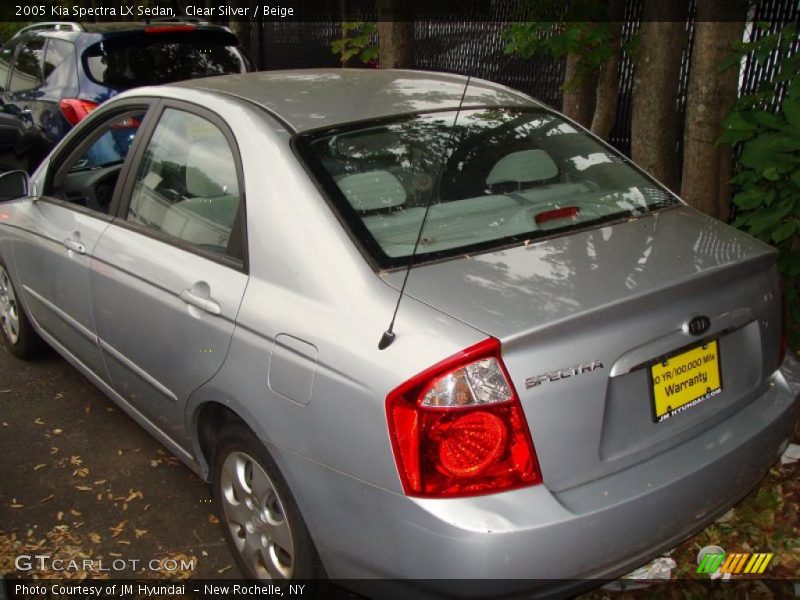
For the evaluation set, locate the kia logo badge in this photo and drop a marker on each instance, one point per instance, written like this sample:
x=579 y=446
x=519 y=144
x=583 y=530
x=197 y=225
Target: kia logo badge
x=697 y=325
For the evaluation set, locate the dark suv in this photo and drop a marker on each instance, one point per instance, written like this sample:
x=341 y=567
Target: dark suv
x=50 y=80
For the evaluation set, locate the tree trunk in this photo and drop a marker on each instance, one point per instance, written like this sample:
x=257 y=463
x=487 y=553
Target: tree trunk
x=654 y=122
x=605 y=110
x=707 y=169
x=579 y=91
x=395 y=34
x=241 y=28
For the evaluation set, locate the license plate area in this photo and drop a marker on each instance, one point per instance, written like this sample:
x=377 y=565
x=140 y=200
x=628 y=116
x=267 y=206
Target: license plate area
x=684 y=380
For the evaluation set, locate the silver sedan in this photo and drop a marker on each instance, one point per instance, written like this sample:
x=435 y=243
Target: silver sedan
x=406 y=325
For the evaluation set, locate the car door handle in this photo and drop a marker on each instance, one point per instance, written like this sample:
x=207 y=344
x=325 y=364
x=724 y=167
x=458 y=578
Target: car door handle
x=27 y=114
x=76 y=247
x=206 y=304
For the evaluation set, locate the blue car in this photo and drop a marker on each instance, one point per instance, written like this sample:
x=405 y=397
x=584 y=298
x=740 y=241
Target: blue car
x=50 y=80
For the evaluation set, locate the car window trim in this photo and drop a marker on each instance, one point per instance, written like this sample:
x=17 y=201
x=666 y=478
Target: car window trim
x=239 y=263
x=57 y=168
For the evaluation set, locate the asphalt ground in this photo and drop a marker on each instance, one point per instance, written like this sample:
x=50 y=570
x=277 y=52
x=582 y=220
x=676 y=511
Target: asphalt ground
x=80 y=480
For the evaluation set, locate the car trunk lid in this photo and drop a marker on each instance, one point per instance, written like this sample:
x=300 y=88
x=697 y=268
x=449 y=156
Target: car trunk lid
x=583 y=317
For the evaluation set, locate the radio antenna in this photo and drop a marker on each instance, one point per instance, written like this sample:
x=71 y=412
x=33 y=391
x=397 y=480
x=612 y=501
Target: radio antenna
x=388 y=336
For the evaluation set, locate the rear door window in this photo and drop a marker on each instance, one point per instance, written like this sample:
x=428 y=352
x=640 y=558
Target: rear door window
x=187 y=187
x=28 y=66
x=6 y=56
x=151 y=59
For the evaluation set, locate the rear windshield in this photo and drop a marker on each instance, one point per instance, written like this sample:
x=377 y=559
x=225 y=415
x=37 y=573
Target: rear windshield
x=511 y=175
x=151 y=59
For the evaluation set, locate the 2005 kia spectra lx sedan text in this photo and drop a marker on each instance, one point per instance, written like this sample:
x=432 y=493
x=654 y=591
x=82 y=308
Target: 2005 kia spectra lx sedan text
x=582 y=372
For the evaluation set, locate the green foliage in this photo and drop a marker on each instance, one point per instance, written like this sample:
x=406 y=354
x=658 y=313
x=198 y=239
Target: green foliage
x=767 y=178
x=580 y=28
x=9 y=28
x=357 y=42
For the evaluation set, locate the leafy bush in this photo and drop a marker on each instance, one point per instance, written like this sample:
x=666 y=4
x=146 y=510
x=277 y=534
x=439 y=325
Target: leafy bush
x=357 y=42
x=767 y=175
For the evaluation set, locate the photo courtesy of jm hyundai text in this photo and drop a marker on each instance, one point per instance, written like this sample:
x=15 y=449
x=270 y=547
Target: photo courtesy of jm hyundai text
x=408 y=325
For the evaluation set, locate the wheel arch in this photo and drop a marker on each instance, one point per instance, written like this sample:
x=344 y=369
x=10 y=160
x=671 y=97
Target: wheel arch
x=208 y=420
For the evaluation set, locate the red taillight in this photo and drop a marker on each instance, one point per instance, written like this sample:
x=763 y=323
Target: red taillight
x=568 y=212
x=458 y=429
x=169 y=28
x=75 y=110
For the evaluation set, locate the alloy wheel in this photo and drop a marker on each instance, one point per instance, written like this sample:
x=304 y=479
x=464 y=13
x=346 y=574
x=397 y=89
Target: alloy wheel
x=9 y=310
x=256 y=518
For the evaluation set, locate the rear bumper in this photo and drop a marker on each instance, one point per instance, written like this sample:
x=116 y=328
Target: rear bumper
x=598 y=530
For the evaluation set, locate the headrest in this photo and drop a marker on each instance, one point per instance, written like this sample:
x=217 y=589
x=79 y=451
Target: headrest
x=524 y=166
x=372 y=190
x=210 y=170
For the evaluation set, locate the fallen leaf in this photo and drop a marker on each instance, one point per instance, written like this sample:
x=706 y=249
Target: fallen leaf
x=53 y=449
x=74 y=513
x=117 y=529
x=75 y=460
x=57 y=431
x=15 y=504
x=83 y=488
x=223 y=569
x=60 y=515
x=213 y=519
x=133 y=495
x=46 y=499
x=155 y=463
x=100 y=481
x=124 y=542
x=39 y=466
x=95 y=537
x=140 y=532
x=81 y=472
x=39 y=421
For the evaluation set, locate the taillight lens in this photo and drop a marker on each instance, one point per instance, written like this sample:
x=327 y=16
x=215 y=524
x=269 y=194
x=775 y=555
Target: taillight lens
x=75 y=110
x=458 y=429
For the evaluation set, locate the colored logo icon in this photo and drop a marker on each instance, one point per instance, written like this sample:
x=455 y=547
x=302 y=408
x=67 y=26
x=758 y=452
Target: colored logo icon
x=713 y=560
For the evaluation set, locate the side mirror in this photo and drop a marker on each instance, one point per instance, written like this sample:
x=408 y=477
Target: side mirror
x=13 y=185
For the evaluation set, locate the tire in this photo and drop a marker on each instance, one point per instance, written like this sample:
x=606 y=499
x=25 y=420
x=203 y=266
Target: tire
x=273 y=542
x=18 y=334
